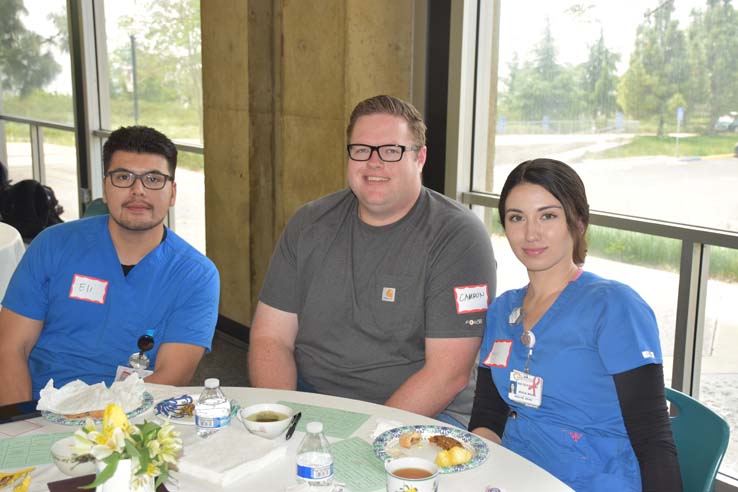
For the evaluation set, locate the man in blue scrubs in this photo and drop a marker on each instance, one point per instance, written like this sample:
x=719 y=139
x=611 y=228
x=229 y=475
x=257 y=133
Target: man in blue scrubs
x=86 y=290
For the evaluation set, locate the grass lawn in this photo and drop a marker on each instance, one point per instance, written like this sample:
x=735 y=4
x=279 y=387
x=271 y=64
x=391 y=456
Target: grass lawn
x=697 y=146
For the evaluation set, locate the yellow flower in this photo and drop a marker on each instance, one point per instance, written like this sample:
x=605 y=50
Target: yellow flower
x=158 y=446
x=115 y=418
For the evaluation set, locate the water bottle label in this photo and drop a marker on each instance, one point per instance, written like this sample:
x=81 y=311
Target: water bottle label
x=212 y=422
x=315 y=472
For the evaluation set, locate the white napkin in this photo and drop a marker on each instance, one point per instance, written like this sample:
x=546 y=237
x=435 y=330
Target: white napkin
x=228 y=455
x=79 y=397
x=384 y=425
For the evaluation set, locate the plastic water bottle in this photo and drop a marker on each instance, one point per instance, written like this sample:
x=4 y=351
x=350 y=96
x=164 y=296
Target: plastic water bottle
x=212 y=410
x=314 y=458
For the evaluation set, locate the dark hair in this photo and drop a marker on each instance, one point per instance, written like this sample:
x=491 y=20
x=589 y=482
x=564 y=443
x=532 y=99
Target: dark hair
x=392 y=106
x=563 y=183
x=142 y=140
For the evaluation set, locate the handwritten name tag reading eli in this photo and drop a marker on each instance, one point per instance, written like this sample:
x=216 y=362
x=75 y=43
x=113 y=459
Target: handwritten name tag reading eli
x=88 y=289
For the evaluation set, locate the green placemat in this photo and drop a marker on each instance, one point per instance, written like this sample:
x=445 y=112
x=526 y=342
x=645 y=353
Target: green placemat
x=19 y=452
x=336 y=423
x=357 y=466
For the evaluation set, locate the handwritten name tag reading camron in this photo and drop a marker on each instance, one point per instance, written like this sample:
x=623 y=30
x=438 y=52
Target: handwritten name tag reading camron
x=88 y=289
x=471 y=298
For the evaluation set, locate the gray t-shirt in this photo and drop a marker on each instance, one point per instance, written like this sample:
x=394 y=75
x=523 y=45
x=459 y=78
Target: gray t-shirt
x=367 y=297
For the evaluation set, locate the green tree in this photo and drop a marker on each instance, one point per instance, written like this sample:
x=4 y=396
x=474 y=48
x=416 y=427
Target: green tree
x=542 y=87
x=25 y=57
x=659 y=67
x=600 y=79
x=713 y=44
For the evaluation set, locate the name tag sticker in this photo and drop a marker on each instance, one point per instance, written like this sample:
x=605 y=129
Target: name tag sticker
x=499 y=355
x=88 y=289
x=471 y=298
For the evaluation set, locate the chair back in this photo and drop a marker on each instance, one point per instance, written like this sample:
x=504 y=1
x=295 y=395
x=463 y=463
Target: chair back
x=701 y=438
x=96 y=207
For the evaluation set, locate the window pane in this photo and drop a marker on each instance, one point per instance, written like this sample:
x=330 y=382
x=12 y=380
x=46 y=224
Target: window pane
x=719 y=376
x=35 y=73
x=189 y=209
x=154 y=66
x=19 y=151
x=59 y=163
x=60 y=159
x=154 y=76
x=586 y=84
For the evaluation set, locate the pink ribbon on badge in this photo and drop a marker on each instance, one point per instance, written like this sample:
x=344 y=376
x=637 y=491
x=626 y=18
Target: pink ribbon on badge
x=536 y=384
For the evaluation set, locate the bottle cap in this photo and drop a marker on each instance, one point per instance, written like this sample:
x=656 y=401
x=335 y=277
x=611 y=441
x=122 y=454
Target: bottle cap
x=315 y=427
x=212 y=383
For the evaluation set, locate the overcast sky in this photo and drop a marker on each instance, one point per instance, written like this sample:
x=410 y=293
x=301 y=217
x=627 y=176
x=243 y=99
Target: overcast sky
x=522 y=23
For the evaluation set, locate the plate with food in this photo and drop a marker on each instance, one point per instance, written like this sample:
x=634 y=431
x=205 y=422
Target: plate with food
x=452 y=449
x=181 y=409
x=147 y=401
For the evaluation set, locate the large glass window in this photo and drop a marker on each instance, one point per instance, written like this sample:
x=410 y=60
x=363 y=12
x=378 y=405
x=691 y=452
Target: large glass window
x=35 y=75
x=636 y=95
x=36 y=83
x=154 y=65
x=154 y=78
x=719 y=365
x=641 y=98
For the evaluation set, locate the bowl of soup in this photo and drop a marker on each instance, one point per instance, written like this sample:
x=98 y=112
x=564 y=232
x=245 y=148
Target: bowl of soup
x=267 y=420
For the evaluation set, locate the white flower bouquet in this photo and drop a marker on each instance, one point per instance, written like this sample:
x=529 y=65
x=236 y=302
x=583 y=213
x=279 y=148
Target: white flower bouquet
x=152 y=448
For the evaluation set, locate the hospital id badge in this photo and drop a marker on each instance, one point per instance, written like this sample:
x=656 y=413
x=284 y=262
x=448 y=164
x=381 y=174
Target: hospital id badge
x=526 y=389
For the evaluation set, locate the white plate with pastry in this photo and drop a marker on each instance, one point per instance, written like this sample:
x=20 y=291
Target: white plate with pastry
x=452 y=449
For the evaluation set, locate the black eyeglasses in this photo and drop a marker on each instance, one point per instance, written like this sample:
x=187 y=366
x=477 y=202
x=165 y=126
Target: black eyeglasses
x=125 y=179
x=387 y=153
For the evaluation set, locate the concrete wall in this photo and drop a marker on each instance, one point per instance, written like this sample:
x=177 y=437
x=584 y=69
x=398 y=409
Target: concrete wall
x=280 y=79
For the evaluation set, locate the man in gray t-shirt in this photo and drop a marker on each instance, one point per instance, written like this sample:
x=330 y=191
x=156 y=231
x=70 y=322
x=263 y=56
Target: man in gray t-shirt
x=378 y=292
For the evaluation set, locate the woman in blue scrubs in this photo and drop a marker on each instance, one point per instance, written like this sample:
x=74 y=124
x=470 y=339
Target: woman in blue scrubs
x=570 y=372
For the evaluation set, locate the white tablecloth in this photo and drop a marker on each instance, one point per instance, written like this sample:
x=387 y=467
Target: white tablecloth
x=11 y=250
x=503 y=469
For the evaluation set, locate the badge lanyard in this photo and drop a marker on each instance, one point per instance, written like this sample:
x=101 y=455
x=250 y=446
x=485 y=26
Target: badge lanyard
x=525 y=388
x=527 y=338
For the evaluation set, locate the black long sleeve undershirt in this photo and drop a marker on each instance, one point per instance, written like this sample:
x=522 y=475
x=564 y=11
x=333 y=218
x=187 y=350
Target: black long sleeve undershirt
x=643 y=405
x=489 y=409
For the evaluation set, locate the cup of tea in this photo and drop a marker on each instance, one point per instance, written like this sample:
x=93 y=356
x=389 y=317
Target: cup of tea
x=411 y=474
x=266 y=419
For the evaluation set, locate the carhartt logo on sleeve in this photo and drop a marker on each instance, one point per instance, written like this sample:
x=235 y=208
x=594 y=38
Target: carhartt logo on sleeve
x=471 y=298
x=88 y=289
x=388 y=294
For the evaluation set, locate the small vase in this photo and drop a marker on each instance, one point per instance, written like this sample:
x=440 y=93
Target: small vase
x=123 y=479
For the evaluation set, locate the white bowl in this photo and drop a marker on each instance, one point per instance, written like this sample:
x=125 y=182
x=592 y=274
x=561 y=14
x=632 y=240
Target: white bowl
x=68 y=461
x=269 y=430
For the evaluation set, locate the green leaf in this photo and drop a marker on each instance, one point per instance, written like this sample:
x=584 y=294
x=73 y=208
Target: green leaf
x=132 y=450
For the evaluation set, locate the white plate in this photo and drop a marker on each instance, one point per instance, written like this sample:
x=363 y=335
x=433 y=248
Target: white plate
x=170 y=407
x=387 y=445
x=146 y=403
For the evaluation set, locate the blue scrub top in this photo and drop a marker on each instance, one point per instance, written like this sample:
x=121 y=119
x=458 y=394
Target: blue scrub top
x=173 y=291
x=595 y=329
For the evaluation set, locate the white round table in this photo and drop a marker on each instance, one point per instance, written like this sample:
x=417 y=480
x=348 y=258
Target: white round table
x=11 y=251
x=503 y=469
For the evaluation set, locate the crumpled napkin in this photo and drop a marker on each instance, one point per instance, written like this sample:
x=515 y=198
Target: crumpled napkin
x=384 y=425
x=79 y=397
x=228 y=455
